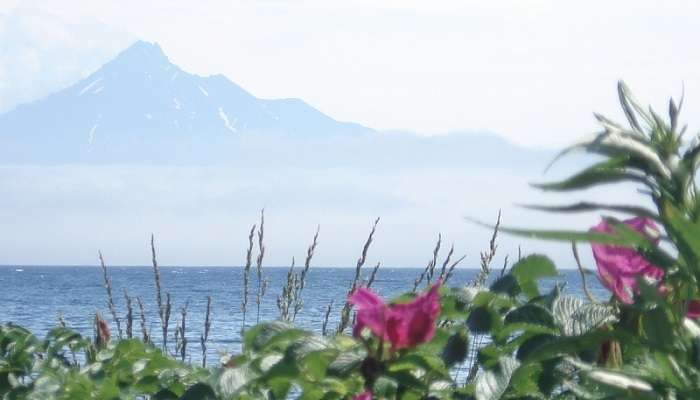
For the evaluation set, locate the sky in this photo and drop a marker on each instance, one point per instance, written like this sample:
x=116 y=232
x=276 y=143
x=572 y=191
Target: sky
x=533 y=71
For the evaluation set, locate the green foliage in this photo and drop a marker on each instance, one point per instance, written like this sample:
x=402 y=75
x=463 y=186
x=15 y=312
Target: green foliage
x=573 y=348
x=512 y=340
x=67 y=366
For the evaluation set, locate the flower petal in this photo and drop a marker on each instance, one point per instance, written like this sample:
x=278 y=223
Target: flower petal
x=693 y=309
x=364 y=298
x=371 y=311
x=414 y=323
x=366 y=395
x=619 y=267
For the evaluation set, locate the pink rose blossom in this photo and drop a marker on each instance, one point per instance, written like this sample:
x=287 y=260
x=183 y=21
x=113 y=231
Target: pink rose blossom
x=367 y=395
x=693 y=311
x=619 y=267
x=371 y=313
x=402 y=325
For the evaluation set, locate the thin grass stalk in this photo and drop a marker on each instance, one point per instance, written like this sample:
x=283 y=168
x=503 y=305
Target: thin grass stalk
x=205 y=336
x=452 y=267
x=163 y=309
x=129 y=316
x=176 y=334
x=584 y=284
x=345 y=313
x=145 y=335
x=443 y=269
x=480 y=280
x=373 y=275
x=166 y=315
x=110 y=298
x=286 y=298
x=246 y=275
x=505 y=266
x=488 y=256
x=433 y=263
x=326 y=317
x=298 y=299
x=263 y=291
x=183 y=333
x=262 y=285
x=429 y=268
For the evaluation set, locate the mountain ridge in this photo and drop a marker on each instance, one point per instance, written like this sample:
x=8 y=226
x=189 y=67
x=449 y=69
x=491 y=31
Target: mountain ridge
x=141 y=106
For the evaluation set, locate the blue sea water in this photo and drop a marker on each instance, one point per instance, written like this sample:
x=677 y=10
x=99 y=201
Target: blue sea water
x=35 y=296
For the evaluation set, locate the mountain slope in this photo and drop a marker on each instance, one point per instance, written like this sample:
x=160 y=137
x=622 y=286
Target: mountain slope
x=141 y=107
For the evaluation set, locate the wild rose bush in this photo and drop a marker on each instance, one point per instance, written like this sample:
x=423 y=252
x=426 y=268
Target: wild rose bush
x=641 y=343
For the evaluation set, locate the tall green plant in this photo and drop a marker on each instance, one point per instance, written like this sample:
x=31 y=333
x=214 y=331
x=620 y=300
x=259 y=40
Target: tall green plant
x=645 y=345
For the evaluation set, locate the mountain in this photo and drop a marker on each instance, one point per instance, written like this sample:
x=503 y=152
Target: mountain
x=141 y=107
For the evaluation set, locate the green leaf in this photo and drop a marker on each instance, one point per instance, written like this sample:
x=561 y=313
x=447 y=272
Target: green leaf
x=306 y=345
x=575 y=344
x=533 y=344
x=166 y=394
x=481 y=320
x=619 y=381
x=566 y=236
x=407 y=379
x=506 y=284
x=524 y=381
x=280 y=387
x=266 y=361
x=609 y=171
x=347 y=362
x=429 y=363
x=685 y=233
x=531 y=314
x=575 y=317
x=232 y=380
x=315 y=365
x=658 y=328
x=274 y=336
x=585 y=206
x=456 y=349
x=287 y=368
x=492 y=384
x=385 y=388
x=507 y=331
x=630 y=107
x=199 y=391
x=531 y=268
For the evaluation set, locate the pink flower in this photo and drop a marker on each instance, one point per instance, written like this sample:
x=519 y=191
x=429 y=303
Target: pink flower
x=619 y=267
x=367 y=395
x=693 y=311
x=403 y=325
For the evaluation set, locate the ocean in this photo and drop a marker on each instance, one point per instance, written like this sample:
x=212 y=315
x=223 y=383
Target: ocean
x=35 y=297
